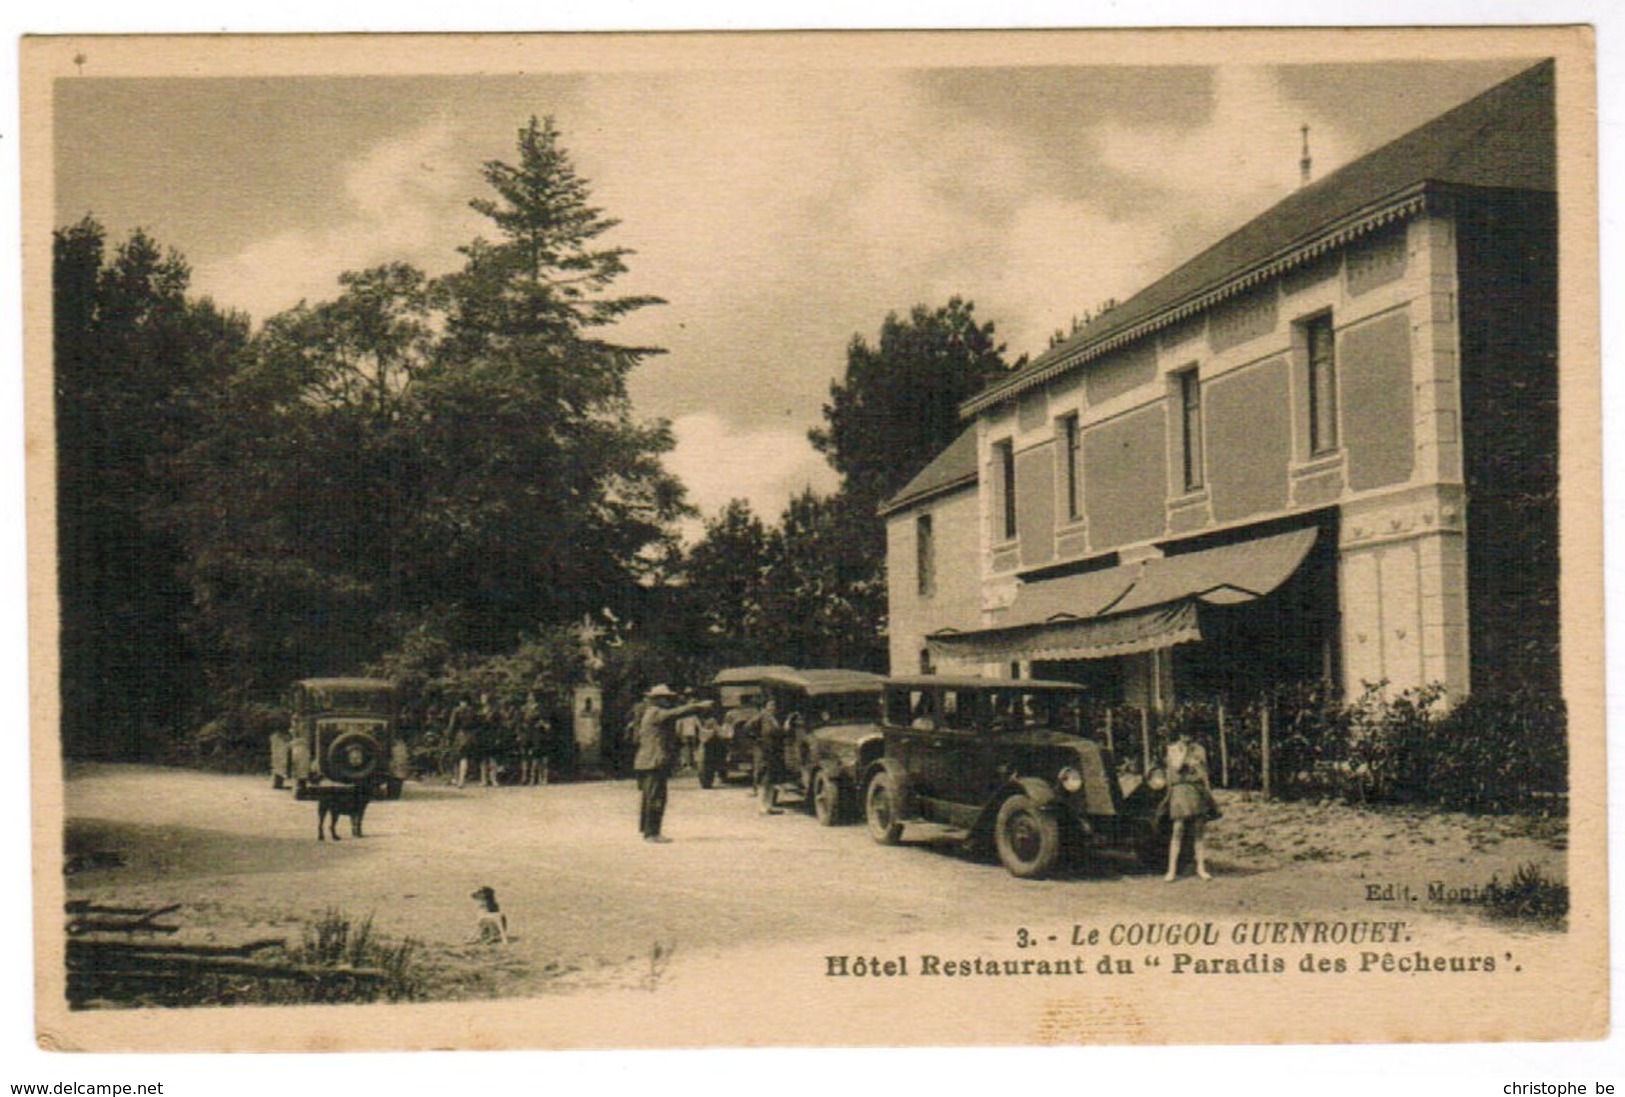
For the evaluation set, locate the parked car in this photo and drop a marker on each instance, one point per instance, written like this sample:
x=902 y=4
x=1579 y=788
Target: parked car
x=833 y=720
x=1005 y=762
x=738 y=694
x=342 y=732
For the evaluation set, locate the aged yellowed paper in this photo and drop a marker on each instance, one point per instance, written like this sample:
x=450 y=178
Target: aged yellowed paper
x=1188 y=211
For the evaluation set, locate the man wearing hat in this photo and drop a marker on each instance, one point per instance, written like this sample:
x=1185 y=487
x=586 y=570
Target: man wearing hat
x=657 y=752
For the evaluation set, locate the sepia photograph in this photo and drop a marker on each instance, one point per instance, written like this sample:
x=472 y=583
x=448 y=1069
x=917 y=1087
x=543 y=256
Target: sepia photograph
x=1037 y=538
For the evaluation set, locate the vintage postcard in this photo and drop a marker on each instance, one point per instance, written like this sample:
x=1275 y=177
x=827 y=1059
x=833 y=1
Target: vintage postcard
x=851 y=539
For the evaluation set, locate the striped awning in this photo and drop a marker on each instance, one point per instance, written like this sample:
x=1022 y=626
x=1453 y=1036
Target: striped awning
x=1085 y=638
x=1131 y=608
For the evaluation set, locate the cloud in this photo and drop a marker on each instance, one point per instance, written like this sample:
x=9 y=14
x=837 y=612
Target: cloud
x=779 y=214
x=1241 y=160
x=722 y=461
x=399 y=201
x=1197 y=180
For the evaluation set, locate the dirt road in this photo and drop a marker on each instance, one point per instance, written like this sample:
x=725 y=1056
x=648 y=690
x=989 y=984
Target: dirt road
x=591 y=905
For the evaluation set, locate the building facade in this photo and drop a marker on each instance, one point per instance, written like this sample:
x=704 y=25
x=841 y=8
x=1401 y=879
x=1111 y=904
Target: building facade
x=1324 y=449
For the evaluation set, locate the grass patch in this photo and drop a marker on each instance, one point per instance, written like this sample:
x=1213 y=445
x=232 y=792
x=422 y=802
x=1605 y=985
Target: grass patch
x=340 y=952
x=337 y=961
x=1530 y=896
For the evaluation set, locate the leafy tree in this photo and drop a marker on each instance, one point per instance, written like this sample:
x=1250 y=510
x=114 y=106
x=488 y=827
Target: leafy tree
x=135 y=363
x=455 y=455
x=898 y=405
x=1061 y=335
x=895 y=410
x=824 y=598
x=301 y=493
x=726 y=576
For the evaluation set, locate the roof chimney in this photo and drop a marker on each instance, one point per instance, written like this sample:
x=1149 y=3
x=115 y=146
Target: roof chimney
x=1303 y=162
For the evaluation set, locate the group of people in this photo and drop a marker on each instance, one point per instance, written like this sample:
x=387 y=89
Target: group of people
x=491 y=736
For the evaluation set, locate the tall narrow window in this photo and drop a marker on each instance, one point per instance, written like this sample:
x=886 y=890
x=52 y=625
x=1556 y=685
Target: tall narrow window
x=925 y=556
x=1322 y=348
x=1069 y=476
x=1004 y=455
x=1190 y=428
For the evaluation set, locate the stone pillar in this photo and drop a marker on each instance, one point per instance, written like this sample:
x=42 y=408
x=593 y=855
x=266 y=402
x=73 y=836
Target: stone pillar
x=1402 y=579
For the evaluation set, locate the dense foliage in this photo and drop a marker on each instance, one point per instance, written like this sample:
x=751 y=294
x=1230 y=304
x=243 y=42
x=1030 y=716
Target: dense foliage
x=1493 y=752
x=136 y=365
x=415 y=476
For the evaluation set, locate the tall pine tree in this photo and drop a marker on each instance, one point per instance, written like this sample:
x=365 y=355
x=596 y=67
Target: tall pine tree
x=560 y=501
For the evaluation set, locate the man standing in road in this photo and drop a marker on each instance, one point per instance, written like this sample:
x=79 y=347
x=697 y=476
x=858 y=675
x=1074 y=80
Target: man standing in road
x=657 y=751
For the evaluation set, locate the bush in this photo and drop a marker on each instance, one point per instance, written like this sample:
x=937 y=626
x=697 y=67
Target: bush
x=1529 y=897
x=238 y=741
x=334 y=943
x=1494 y=752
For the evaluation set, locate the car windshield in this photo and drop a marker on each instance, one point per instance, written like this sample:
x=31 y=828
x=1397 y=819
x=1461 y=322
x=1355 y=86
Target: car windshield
x=994 y=709
x=844 y=708
x=1010 y=709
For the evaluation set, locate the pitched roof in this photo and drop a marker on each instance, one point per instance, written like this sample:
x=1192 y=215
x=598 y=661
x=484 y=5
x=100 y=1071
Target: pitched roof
x=954 y=467
x=1504 y=138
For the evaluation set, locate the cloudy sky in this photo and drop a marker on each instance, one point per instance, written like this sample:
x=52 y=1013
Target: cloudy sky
x=779 y=209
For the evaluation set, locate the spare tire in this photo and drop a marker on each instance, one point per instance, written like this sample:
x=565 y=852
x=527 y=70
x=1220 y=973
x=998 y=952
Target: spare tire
x=353 y=757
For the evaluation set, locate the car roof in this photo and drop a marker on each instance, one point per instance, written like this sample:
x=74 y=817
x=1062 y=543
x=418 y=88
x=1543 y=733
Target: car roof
x=346 y=683
x=736 y=675
x=817 y=682
x=976 y=681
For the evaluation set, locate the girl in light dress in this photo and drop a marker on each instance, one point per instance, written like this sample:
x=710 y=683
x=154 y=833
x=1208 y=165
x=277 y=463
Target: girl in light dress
x=1189 y=801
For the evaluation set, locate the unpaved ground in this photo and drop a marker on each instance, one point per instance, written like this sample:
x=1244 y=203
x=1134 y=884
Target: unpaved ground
x=592 y=906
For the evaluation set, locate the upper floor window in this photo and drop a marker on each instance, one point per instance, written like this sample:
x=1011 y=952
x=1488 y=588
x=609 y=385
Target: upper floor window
x=1190 y=427
x=1004 y=456
x=1069 y=474
x=925 y=556
x=1321 y=344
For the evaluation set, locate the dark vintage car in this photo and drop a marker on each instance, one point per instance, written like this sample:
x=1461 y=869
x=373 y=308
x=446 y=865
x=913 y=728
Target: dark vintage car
x=832 y=718
x=1004 y=762
x=342 y=732
x=737 y=692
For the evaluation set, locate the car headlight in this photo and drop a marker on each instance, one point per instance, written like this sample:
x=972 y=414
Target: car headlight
x=1070 y=779
x=1157 y=780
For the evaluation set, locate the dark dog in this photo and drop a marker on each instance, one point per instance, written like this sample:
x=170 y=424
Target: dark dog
x=492 y=925
x=348 y=800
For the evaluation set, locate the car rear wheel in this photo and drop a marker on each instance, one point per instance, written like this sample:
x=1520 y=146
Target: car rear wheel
x=826 y=798
x=1027 y=837
x=880 y=809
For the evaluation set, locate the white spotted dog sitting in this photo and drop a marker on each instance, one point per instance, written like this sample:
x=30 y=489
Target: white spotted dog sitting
x=491 y=925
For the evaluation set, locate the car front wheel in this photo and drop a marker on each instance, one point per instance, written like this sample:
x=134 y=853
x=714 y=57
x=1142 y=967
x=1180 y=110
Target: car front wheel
x=1027 y=837
x=880 y=809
